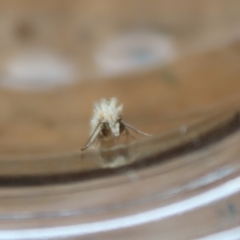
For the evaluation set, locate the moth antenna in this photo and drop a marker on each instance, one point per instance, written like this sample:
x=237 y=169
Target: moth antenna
x=92 y=137
x=136 y=130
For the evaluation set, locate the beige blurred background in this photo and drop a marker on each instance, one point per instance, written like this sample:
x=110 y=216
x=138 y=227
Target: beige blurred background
x=170 y=62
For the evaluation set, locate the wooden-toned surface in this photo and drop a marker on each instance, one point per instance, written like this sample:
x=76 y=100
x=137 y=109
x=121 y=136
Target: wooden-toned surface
x=181 y=185
x=155 y=102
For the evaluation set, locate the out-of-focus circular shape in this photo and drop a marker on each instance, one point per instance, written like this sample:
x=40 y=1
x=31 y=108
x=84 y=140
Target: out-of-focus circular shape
x=37 y=70
x=134 y=51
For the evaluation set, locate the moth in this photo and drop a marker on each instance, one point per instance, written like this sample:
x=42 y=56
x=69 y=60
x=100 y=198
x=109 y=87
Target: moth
x=107 y=123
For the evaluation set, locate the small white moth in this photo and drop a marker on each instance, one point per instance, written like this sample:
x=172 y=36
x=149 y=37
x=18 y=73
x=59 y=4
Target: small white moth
x=107 y=122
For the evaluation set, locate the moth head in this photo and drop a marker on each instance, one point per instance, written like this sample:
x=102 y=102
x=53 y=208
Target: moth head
x=115 y=127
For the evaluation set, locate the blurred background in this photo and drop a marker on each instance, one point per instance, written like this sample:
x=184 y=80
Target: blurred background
x=169 y=62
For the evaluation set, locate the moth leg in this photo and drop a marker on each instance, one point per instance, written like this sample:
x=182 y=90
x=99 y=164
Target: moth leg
x=93 y=137
x=129 y=134
x=136 y=130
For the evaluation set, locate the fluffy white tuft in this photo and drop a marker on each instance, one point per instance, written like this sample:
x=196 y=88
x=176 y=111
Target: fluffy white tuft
x=109 y=112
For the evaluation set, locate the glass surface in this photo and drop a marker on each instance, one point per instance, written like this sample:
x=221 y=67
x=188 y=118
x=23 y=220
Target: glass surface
x=171 y=63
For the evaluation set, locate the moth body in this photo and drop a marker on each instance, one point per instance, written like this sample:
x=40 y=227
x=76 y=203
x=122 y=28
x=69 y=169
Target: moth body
x=108 y=113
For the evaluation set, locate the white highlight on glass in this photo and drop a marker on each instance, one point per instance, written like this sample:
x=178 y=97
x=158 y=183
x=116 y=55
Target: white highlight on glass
x=64 y=232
